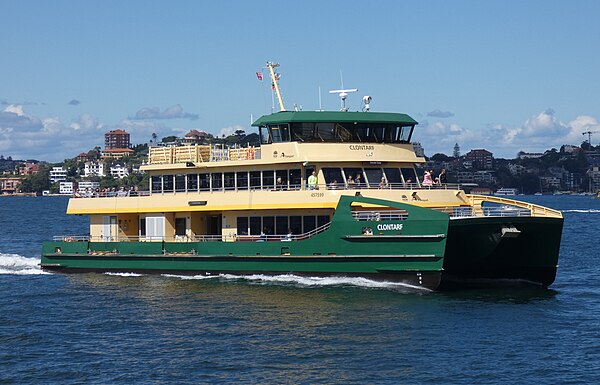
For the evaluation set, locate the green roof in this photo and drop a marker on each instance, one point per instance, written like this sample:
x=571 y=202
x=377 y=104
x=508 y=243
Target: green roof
x=333 y=117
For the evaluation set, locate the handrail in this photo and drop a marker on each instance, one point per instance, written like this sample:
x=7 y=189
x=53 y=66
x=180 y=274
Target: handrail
x=477 y=201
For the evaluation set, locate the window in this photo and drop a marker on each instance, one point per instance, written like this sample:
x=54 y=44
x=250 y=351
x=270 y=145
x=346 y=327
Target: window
x=255 y=180
x=180 y=183
x=324 y=131
x=296 y=224
x=268 y=179
x=192 y=182
x=322 y=220
x=333 y=178
x=180 y=226
x=269 y=225
x=295 y=179
x=409 y=175
x=167 y=183
x=393 y=176
x=204 y=182
x=156 y=183
x=243 y=226
x=282 y=179
x=309 y=223
x=373 y=176
x=281 y=225
x=229 y=180
x=242 y=180
x=155 y=227
x=142 y=223
x=255 y=226
x=217 y=181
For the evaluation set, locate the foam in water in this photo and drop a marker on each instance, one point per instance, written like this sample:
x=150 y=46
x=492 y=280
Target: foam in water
x=305 y=281
x=581 y=211
x=19 y=265
x=124 y=274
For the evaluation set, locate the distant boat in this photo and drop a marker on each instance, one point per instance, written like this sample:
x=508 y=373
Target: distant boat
x=506 y=192
x=538 y=193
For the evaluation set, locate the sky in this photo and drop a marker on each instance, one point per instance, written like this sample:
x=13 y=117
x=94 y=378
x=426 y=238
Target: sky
x=507 y=76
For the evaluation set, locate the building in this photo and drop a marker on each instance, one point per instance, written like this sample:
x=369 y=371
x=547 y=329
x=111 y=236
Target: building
x=58 y=174
x=87 y=186
x=29 y=168
x=65 y=188
x=10 y=185
x=482 y=159
x=116 y=153
x=195 y=137
x=484 y=177
x=419 y=150
x=116 y=139
x=529 y=155
x=83 y=157
x=119 y=171
x=93 y=169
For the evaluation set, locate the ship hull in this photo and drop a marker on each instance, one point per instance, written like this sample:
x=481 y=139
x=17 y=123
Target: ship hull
x=477 y=251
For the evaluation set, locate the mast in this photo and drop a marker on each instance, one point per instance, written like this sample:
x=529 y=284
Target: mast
x=274 y=79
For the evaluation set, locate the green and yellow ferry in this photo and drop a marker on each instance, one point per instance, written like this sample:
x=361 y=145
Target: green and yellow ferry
x=327 y=193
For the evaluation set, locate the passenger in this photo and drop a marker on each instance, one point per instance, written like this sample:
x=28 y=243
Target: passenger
x=383 y=184
x=442 y=178
x=350 y=182
x=358 y=180
x=288 y=237
x=333 y=185
x=122 y=192
x=427 y=181
x=313 y=182
x=279 y=184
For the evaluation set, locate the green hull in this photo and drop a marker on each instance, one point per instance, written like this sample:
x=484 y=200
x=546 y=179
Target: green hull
x=477 y=250
x=411 y=254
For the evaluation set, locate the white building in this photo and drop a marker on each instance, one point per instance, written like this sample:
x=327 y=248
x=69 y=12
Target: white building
x=58 y=174
x=93 y=169
x=119 y=171
x=419 y=151
x=87 y=186
x=65 y=188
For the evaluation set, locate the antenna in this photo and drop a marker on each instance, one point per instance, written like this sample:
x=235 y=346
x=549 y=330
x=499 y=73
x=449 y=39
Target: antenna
x=275 y=81
x=343 y=95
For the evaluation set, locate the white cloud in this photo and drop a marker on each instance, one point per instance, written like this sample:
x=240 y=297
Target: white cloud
x=173 y=112
x=229 y=130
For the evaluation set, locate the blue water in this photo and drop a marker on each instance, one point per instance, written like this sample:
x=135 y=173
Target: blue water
x=132 y=329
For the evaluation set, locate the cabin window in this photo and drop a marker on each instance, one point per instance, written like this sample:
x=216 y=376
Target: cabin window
x=204 y=182
x=217 y=181
x=142 y=224
x=167 y=183
x=405 y=133
x=243 y=226
x=180 y=183
x=268 y=225
x=180 y=226
x=357 y=177
x=333 y=178
x=280 y=133
x=281 y=180
x=268 y=179
x=255 y=180
x=229 y=180
x=295 y=179
x=192 y=182
x=155 y=228
x=296 y=224
x=409 y=176
x=373 y=176
x=310 y=223
x=242 y=180
x=255 y=226
x=281 y=225
x=322 y=220
x=325 y=131
x=156 y=184
x=265 y=137
x=393 y=176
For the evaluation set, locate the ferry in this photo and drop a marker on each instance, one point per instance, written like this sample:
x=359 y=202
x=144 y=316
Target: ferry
x=327 y=193
x=505 y=191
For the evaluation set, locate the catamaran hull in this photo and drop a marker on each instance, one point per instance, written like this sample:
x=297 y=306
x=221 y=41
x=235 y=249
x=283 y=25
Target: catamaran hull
x=407 y=270
x=502 y=248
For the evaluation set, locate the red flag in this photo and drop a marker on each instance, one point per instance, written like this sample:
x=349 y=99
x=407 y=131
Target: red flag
x=259 y=76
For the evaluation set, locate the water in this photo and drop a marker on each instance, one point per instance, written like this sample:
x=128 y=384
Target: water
x=141 y=329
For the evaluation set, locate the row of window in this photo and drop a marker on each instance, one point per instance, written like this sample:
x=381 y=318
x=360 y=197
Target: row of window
x=335 y=177
x=336 y=132
x=280 y=225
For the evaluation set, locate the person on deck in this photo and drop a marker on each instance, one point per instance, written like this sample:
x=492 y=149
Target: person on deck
x=427 y=181
x=313 y=182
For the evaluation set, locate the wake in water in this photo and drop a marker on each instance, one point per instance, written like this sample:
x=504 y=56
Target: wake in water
x=581 y=211
x=287 y=279
x=19 y=265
